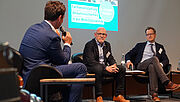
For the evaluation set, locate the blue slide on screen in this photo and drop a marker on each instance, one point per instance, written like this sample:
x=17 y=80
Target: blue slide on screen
x=91 y=14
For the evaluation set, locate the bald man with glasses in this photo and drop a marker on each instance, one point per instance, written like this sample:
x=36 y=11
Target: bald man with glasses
x=98 y=58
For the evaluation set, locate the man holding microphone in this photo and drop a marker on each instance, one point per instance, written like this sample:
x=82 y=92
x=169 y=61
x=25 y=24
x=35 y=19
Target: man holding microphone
x=42 y=45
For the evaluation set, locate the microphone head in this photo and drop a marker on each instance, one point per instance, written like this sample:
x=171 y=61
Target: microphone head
x=62 y=30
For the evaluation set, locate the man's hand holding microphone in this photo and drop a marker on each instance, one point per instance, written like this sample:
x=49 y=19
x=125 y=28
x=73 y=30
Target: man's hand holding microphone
x=66 y=36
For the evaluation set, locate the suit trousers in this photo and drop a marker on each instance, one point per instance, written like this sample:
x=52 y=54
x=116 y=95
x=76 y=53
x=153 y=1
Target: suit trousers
x=74 y=70
x=155 y=71
x=100 y=72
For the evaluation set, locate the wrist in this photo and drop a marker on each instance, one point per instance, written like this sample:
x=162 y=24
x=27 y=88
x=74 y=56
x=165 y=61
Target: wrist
x=128 y=61
x=67 y=44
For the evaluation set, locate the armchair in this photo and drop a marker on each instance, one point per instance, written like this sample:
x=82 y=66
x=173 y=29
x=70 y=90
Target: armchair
x=43 y=72
x=145 y=79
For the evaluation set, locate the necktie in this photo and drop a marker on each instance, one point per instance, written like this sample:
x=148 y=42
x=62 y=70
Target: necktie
x=57 y=32
x=152 y=49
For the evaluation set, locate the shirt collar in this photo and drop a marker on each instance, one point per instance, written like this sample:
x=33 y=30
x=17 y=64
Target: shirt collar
x=150 y=43
x=50 y=25
x=99 y=43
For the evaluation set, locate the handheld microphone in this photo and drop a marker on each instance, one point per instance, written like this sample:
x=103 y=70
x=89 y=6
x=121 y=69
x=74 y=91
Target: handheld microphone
x=64 y=32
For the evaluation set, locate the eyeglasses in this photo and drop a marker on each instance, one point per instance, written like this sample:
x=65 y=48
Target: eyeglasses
x=149 y=34
x=104 y=34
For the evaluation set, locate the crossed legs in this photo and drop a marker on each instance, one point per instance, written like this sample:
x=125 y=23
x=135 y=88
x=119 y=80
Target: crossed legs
x=155 y=71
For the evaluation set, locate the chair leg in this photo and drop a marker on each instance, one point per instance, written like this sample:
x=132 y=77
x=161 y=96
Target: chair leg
x=94 y=92
x=46 y=93
x=112 y=89
x=149 y=95
x=41 y=90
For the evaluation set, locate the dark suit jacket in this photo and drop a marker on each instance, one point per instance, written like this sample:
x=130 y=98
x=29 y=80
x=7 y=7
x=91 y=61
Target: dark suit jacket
x=91 y=54
x=136 y=54
x=41 y=45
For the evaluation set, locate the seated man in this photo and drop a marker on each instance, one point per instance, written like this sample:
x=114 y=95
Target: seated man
x=42 y=45
x=98 y=59
x=150 y=57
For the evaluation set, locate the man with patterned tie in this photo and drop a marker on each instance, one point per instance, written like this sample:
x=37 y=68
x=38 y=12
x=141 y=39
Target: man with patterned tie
x=151 y=57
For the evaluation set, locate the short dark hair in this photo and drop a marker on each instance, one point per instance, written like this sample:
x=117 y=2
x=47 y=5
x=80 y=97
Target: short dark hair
x=53 y=10
x=148 y=28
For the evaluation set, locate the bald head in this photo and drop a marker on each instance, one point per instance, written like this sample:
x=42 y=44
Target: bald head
x=101 y=29
x=100 y=34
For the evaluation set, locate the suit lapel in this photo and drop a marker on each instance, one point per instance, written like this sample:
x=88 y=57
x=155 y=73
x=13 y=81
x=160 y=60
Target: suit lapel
x=157 y=49
x=105 y=50
x=143 y=47
x=96 y=51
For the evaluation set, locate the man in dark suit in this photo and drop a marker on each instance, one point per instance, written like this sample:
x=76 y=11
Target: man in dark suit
x=98 y=58
x=42 y=45
x=151 y=57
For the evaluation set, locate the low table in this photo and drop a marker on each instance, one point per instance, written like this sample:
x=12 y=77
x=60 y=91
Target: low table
x=132 y=73
x=135 y=72
x=62 y=81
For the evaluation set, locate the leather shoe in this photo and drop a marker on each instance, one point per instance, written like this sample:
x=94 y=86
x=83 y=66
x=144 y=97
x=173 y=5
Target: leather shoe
x=120 y=98
x=171 y=86
x=99 y=99
x=155 y=97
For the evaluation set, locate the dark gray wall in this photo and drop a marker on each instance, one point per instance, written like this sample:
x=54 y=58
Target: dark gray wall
x=134 y=15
